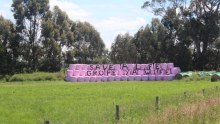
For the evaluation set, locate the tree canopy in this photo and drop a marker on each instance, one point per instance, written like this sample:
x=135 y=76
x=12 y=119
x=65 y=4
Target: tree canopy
x=46 y=39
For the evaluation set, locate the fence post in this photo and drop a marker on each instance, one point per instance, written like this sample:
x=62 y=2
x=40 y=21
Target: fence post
x=47 y=122
x=157 y=103
x=185 y=94
x=117 y=114
x=203 y=92
x=146 y=106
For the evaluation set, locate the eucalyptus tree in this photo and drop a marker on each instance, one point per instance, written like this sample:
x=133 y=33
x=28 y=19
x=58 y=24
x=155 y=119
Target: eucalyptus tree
x=195 y=23
x=88 y=45
x=123 y=50
x=56 y=37
x=9 y=51
x=28 y=15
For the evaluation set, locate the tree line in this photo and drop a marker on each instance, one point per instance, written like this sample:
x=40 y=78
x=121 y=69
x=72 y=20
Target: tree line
x=188 y=35
x=44 y=39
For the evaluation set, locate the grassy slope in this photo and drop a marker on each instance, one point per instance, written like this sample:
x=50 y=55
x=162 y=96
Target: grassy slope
x=62 y=102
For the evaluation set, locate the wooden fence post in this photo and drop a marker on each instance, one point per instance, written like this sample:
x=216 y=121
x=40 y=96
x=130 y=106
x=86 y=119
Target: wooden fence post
x=185 y=95
x=203 y=92
x=157 y=103
x=117 y=114
x=47 y=122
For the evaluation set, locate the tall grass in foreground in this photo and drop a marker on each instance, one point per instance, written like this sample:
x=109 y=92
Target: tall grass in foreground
x=201 y=107
x=206 y=111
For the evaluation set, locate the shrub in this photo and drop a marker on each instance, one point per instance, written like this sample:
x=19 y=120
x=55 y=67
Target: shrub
x=215 y=78
x=37 y=76
x=16 y=78
x=50 y=78
x=38 y=79
x=178 y=76
x=185 y=76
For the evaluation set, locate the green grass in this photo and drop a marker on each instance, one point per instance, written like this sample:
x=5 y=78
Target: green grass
x=73 y=103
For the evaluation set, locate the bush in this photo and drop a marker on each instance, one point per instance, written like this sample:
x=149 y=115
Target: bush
x=50 y=78
x=37 y=76
x=215 y=78
x=178 y=76
x=16 y=78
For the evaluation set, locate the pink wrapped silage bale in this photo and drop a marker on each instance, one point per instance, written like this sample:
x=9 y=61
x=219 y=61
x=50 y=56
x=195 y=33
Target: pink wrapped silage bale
x=130 y=77
x=130 y=66
x=163 y=66
x=104 y=78
x=87 y=78
x=72 y=66
x=90 y=66
x=84 y=67
x=151 y=66
x=157 y=66
x=83 y=73
x=158 y=77
x=111 y=78
x=162 y=72
x=92 y=79
x=170 y=65
x=147 y=66
x=117 y=72
x=104 y=66
x=126 y=72
x=179 y=70
x=73 y=79
x=137 y=66
x=117 y=78
x=151 y=77
x=117 y=66
x=141 y=72
x=169 y=77
x=124 y=78
x=80 y=79
x=69 y=73
x=168 y=72
x=144 y=77
x=67 y=78
x=137 y=77
x=76 y=73
x=99 y=78
x=152 y=72
x=78 y=67
x=143 y=66
x=175 y=70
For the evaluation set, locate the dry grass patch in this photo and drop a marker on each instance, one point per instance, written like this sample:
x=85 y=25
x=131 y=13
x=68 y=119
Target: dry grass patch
x=200 y=112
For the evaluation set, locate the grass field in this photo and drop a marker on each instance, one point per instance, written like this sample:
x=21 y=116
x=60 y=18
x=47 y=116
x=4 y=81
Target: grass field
x=81 y=103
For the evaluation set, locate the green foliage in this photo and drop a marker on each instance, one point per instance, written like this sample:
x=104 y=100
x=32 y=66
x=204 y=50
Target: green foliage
x=45 y=40
x=123 y=50
x=178 y=77
x=215 y=78
x=37 y=76
x=28 y=15
x=8 y=46
x=88 y=45
x=195 y=32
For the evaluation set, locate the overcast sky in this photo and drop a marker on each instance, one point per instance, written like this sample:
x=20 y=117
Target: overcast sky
x=109 y=17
